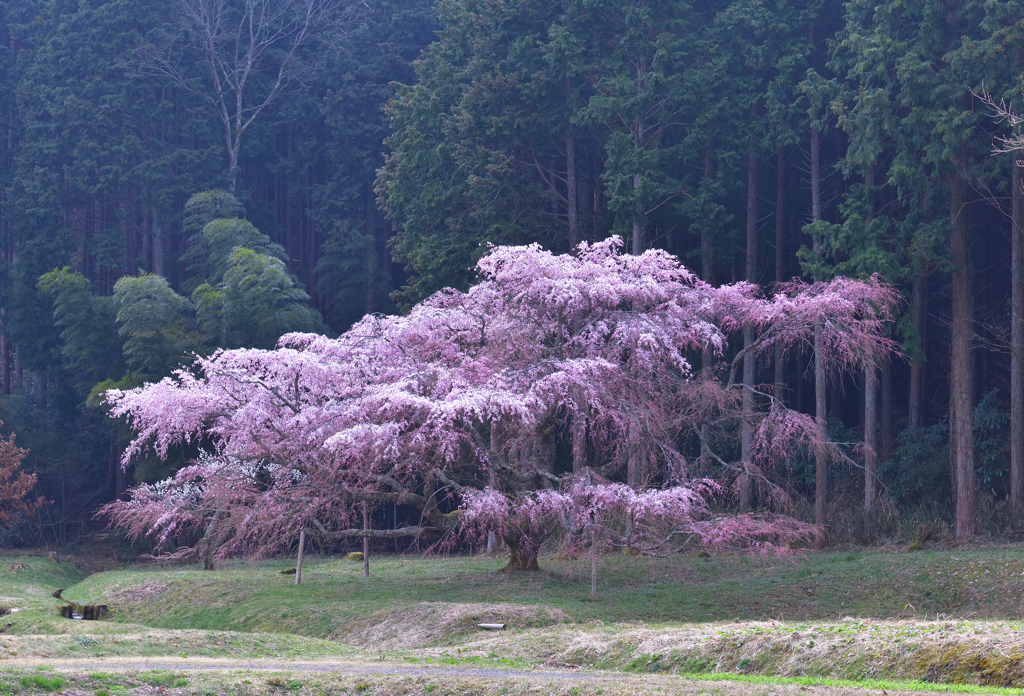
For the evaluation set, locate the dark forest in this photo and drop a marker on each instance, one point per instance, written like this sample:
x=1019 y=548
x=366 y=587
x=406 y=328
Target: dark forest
x=180 y=177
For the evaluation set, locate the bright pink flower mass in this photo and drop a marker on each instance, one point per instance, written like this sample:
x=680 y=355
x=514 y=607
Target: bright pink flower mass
x=462 y=403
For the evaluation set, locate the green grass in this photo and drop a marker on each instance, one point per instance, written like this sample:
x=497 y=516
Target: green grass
x=27 y=584
x=984 y=584
x=884 y=684
x=44 y=683
x=933 y=616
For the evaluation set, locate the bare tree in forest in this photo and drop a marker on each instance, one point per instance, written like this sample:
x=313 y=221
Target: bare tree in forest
x=250 y=51
x=15 y=485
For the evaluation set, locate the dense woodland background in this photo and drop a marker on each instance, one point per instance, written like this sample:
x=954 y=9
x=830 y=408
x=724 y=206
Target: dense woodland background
x=391 y=140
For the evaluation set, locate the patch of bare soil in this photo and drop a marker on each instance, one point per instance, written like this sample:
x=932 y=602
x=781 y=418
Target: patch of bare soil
x=427 y=623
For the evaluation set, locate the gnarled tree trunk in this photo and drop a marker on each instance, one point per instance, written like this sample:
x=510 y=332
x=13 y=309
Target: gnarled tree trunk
x=522 y=557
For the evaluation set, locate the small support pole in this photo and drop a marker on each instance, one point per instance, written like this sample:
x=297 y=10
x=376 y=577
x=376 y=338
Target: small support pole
x=366 y=539
x=298 y=562
x=593 y=561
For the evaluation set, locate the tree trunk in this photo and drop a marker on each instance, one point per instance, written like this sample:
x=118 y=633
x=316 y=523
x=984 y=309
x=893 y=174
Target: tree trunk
x=1017 y=344
x=158 y=244
x=961 y=437
x=885 y=410
x=18 y=382
x=208 y=547
x=571 y=196
x=780 y=263
x=40 y=391
x=639 y=229
x=593 y=576
x=918 y=297
x=870 y=386
x=521 y=557
x=634 y=467
x=746 y=483
x=298 y=561
x=5 y=356
x=370 y=257
x=593 y=567
x=707 y=270
x=820 y=392
x=579 y=445
x=870 y=432
x=816 y=178
x=492 y=481
x=366 y=540
x=821 y=419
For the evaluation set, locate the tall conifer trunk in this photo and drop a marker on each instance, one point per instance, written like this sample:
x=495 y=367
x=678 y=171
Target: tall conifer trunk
x=918 y=298
x=707 y=270
x=571 y=196
x=780 y=263
x=1017 y=343
x=5 y=354
x=961 y=437
x=370 y=257
x=820 y=393
x=158 y=244
x=885 y=435
x=747 y=429
x=639 y=229
x=870 y=386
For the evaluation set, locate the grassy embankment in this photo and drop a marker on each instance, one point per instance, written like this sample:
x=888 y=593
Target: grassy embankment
x=949 y=617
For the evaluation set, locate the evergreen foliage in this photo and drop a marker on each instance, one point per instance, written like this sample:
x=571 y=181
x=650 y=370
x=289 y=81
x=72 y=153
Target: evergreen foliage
x=390 y=146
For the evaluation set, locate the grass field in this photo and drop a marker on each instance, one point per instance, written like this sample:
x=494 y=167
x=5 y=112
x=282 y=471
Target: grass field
x=948 y=619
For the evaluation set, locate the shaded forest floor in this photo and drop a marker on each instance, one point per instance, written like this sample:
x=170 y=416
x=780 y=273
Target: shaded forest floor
x=924 y=621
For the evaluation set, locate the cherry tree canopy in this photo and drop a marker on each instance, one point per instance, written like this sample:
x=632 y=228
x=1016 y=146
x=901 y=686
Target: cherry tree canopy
x=464 y=399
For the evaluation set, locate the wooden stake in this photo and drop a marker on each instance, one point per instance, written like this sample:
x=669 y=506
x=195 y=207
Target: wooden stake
x=298 y=562
x=366 y=540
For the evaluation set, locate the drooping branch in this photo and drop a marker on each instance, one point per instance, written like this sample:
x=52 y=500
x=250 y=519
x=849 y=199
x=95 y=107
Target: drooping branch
x=392 y=411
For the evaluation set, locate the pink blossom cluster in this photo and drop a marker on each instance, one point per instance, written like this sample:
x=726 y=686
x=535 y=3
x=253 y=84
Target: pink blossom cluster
x=460 y=402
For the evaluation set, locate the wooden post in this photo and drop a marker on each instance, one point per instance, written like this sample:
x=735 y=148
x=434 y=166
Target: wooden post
x=593 y=571
x=870 y=436
x=298 y=562
x=366 y=539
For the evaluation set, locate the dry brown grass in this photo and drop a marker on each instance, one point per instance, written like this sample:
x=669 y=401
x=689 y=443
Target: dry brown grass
x=428 y=623
x=952 y=652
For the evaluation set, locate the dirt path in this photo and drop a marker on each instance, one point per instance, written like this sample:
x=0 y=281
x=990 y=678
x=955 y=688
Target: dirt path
x=351 y=668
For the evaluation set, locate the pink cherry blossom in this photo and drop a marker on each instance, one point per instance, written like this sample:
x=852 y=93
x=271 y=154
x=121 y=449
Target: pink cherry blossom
x=461 y=403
